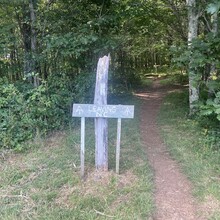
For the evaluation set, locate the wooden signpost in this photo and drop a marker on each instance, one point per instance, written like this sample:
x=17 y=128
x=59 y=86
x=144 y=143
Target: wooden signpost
x=101 y=124
x=101 y=111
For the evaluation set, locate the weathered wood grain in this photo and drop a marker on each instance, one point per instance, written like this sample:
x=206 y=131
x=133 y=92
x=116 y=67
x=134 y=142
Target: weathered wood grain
x=101 y=124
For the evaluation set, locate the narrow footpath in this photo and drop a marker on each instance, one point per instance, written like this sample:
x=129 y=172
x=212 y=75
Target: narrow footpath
x=173 y=191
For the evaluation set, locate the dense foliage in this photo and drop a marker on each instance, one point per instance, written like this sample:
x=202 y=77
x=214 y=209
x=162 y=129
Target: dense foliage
x=204 y=59
x=49 y=51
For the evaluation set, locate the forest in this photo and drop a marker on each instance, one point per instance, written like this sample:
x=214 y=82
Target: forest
x=164 y=60
x=49 y=51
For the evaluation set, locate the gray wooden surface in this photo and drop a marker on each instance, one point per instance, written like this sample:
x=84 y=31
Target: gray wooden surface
x=103 y=111
x=101 y=124
x=82 y=150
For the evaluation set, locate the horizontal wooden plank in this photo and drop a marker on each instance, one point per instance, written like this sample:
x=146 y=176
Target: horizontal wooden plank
x=103 y=111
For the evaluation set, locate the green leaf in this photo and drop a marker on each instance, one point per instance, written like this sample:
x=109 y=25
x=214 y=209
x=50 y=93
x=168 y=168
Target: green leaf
x=209 y=102
x=216 y=106
x=217 y=111
x=206 y=112
x=213 y=7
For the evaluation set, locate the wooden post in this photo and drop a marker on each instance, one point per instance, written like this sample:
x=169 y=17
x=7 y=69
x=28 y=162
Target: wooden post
x=118 y=145
x=82 y=153
x=101 y=125
x=101 y=112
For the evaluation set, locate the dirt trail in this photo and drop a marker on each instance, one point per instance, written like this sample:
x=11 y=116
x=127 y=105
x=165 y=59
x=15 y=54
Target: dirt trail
x=173 y=193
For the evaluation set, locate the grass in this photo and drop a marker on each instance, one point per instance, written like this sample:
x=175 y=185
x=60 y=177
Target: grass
x=175 y=79
x=44 y=182
x=192 y=149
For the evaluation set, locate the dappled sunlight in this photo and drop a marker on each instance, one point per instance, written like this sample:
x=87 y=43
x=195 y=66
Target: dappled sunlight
x=148 y=96
x=158 y=91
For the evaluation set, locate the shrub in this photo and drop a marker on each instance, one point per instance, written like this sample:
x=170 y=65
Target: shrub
x=26 y=111
x=16 y=123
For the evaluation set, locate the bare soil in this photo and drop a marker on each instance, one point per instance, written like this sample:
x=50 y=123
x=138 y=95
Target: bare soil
x=173 y=191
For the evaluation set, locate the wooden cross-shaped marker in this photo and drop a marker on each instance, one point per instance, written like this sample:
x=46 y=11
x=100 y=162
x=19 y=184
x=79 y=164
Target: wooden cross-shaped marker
x=102 y=111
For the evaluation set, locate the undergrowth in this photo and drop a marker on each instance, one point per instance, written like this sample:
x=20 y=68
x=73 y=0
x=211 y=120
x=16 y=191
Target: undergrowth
x=175 y=79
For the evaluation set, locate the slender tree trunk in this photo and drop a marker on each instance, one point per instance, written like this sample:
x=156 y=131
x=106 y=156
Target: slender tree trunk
x=27 y=28
x=33 y=42
x=214 y=22
x=192 y=34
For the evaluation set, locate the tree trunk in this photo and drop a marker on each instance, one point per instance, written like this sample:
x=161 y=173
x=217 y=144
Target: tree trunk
x=33 y=42
x=26 y=23
x=192 y=34
x=101 y=125
x=214 y=22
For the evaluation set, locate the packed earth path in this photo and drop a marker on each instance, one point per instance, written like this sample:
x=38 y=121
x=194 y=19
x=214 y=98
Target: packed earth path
x=173 y=191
